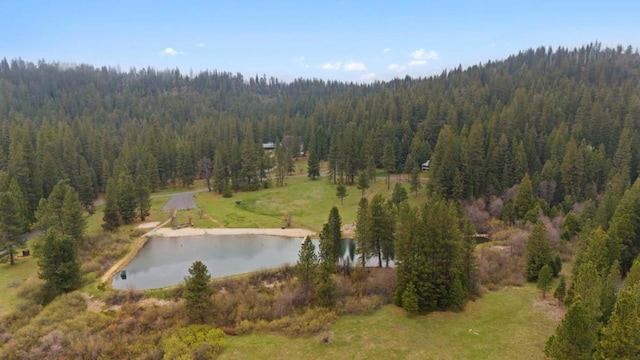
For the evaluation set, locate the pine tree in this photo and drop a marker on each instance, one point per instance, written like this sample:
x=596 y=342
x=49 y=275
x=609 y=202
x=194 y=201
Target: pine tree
x=86 y=194
x=11 y=223
x=382 y=226
x=363 y=227
x=325 y=288
x=73 y=222
x=389 y=163
x=415 y=181
x=620 y=338
x=633 y=276
x=111 y=217
x=538 y=251
x=143 y=196
x=410 y=299
x=197 y=294
x=58 y=263
x=313 y=164
x=341 y=192
x=363 y=181
x=49 y=213
x=307 y=264
x=220 y=178
x=544 y=279
x=126 y=199
x=561 y=290
x=399 y=194
x=575 y=337
x=524 y=199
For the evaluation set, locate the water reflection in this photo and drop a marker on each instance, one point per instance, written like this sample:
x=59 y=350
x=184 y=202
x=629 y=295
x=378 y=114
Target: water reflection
x=166 y=261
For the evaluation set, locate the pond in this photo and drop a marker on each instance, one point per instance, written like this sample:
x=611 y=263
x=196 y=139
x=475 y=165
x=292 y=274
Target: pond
x=165 y=261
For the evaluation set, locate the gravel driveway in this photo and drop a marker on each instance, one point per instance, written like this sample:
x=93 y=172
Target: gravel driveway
x=180 y=202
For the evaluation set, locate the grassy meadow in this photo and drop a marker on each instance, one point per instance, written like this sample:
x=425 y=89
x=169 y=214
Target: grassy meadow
x=511 y=323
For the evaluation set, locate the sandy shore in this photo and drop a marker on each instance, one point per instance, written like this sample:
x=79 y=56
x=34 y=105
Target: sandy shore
x=167 y=232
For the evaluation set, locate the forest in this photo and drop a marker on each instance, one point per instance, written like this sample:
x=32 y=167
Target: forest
x=545 y=134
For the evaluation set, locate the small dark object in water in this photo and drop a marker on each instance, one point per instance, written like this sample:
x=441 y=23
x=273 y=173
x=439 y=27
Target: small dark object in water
x=123 y=274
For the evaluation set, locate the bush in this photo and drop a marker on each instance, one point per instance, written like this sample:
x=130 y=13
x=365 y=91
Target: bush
x=31 y=290
x=195 y=342
x=311 y=322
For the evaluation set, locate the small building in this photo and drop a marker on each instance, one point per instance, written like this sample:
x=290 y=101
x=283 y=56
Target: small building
x=268 y=146
x=425 y=166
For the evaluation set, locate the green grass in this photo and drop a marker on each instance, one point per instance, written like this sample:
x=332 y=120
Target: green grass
x=11 y=276
x=506 y=324
x=307 y=201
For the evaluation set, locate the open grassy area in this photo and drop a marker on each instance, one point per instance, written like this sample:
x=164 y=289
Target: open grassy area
x=307 y=201
x=506 y=324
x=11 y=276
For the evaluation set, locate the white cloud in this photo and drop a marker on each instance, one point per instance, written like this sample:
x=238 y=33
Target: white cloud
x=200 y=44
x=331 y=66
x=368 y=76
x=354 y=66
x=171 y=52
x=422 y=54
x=417 y=62
x=386 y=50
x=396 y=67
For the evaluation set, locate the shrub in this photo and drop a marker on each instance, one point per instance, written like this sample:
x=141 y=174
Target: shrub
x=195 y=342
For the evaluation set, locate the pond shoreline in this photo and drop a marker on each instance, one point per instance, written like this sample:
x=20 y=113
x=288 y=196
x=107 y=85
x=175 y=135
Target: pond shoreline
x=189 y=231
x=161 y=231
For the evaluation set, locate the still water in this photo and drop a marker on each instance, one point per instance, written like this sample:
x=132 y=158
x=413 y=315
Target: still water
x=166 y=261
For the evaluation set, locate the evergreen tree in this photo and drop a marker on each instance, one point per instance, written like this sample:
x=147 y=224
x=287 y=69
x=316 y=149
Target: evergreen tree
x=620 y=338
x=220 y=178
x=111 y=217
x=538 y=251
x=49 y=213
x=197 y=294
x=341 y=192
x=86 y=194
x=126 y=199
x=307 y=264
x=633 y=276
x=363 y=181
x=332 y=232
x=415 y=181
x=22 y=205
x=58 y=263
x=399 y=194
x=363 y=227
x=11 y=223
x=544 y=279
x=625 y=226
x=389 y=163
x=325 y=288
x=410 y=299
x=73 y=222
x=143 y=196
x=524 y=200
x=313 y=164
x=561 y=290
x=382 y=226
x=575 y=337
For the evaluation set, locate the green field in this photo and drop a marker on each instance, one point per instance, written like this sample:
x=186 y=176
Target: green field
x=11 y=276
x=508 y=324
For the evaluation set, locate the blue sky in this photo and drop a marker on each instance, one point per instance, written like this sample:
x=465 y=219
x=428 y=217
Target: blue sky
x=337 y=40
